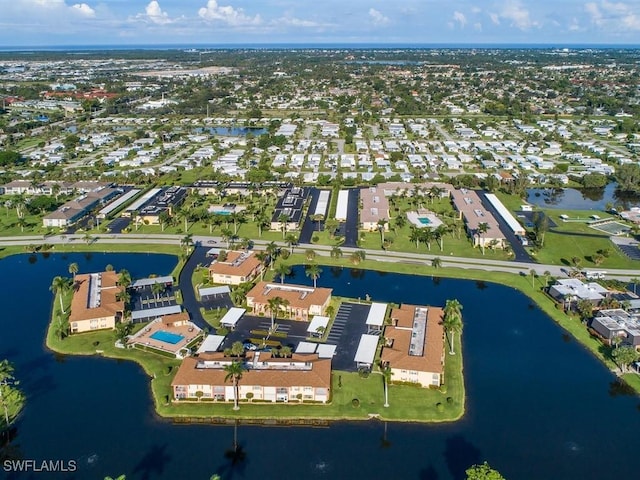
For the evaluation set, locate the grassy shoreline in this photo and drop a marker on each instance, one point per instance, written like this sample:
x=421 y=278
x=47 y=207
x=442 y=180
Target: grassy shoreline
x=403 y=398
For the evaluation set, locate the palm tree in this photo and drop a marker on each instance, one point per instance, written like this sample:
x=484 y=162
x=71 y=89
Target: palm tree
x=60 y=286
x=313 y=271
x=124 y=278
x=436 y=262
x=87 y=238
x=426 y=235
x=381 y=226
x=187 y=241
x=157 y=288
x=226 y=235
x=262 y=221
x=439 y=233
x=73 y=270
x=22 y=223
x=483 y=227
x=282 y=271
x=386 y=377
x=272 y=250
x=236 y=218
x=274 y=304
x=533 y=274
x=415 y=235
x=283 y=219
x=336 y=252
x=291 y=240
x=234 y=373
x=635 y=281
x=452 y=320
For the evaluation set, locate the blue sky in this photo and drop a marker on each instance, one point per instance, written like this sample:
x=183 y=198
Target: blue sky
x=111 y=22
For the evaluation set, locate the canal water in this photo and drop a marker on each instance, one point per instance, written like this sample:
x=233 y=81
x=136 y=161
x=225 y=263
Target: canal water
x=539 y=406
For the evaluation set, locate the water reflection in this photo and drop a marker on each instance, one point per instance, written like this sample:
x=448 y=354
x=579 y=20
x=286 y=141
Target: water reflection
x=585 y=199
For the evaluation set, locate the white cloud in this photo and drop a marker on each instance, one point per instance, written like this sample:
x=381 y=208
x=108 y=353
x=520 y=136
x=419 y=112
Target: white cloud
x=299 y=22
x=517 y=14
x=495 y=18
x=614 y=16
x=377 y=18
x=154 y=13
x=84 y=9
x=476 y=10
x=227 y=14
x=477 y=26
x=460 y=19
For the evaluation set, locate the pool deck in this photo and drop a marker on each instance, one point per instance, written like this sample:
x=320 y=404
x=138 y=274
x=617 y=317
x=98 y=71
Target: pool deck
x=414 y=218
x=143 y=337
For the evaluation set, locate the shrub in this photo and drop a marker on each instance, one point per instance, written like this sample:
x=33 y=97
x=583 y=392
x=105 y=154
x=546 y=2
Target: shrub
x=315 y=239
x=96 y=343
x=355 y=403
x=363 y=372
x=449 y=400
x=443 y=389
x=440 y=407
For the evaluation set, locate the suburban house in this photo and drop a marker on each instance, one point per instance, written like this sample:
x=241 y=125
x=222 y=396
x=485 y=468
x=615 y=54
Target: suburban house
x=237 y=268
x=570 y=290
x=617 y=323
x=95 y=304
x=303 y=302
x=303 y=377
x=414 y=345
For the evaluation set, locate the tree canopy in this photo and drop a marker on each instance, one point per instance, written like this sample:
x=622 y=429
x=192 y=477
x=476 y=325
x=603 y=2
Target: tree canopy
x=483 y=472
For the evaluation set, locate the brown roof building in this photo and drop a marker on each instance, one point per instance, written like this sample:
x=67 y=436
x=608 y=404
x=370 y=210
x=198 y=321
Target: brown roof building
x=303 y=302
x=95 y=303
x=471 y=209
x=414 y=347
x=237 y=268
x=301 y=377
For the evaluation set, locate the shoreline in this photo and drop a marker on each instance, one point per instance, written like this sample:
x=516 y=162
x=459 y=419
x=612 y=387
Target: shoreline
x=517 y=282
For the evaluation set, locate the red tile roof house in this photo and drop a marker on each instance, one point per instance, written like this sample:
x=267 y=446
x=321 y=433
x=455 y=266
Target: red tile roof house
x=304 y=302
x=414 y=346
x=95 y=304
x=303 y=377
x=239 y=267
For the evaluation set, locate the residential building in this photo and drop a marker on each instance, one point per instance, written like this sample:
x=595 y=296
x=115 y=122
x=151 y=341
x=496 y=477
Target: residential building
x=74 y=210
x=414 y=345
x=95 y=304
x=304 y=302
x=474 y=214
x=237 y=268
x=617 y=323
x=168 y=200
x=375 y=207
x=570 y=290
x=303 y=377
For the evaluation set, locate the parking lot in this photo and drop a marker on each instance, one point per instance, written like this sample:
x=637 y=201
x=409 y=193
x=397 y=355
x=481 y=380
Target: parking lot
x=143 y=298
x=348 y=326
x=220 y=300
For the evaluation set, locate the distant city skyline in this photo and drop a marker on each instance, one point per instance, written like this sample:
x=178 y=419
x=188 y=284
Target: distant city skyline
x=144 y=22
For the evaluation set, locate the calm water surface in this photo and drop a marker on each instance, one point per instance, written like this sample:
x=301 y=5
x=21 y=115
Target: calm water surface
x=586 y=199
x=539 y=406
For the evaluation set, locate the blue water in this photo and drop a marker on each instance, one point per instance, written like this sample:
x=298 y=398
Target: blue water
x=424 y=220
x=539 y=406
x=167 y=337
x=588 y=199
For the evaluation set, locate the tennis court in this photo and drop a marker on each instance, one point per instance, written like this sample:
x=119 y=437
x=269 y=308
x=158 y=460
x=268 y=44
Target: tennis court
x=612 y=228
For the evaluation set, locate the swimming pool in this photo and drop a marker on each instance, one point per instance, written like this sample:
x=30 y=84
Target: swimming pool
x=167 y=337
x=222 y=212
x=424 y=220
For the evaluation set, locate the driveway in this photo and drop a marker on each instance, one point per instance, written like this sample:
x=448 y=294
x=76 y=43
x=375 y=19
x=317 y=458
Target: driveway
x=189 y=300
x=350 y=226
x=308 y=225
x=345 y=333
x=520 y=253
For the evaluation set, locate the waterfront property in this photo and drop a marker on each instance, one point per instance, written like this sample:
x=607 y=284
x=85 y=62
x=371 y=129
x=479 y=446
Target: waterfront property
x=301 y=302
x=170 y=333
x=75 y=209
x=414 y=345
x=572 y=290
x=617 y=323
x=96 y=302
x=237 y=268
x=303 y=377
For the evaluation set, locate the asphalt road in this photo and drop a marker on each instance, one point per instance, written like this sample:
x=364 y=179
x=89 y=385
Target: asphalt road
x=485 y=264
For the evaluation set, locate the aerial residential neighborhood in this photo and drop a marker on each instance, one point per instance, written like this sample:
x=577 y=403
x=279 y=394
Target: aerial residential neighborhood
x=317 y=236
